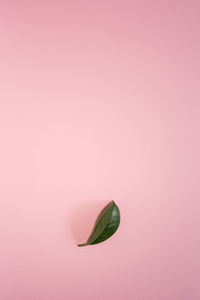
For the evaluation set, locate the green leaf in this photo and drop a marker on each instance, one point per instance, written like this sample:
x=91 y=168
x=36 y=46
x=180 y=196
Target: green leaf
x=106 y=225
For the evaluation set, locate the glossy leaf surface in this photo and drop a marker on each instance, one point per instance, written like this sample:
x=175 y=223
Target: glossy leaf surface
x=106 y=225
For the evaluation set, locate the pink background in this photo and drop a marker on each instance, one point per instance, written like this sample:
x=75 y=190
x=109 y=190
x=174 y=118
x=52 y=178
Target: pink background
x=99 y=100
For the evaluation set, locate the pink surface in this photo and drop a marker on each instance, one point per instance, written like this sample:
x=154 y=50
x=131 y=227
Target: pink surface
x=99 y=100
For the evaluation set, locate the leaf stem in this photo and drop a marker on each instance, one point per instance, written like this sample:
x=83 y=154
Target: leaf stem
x=82 y=245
